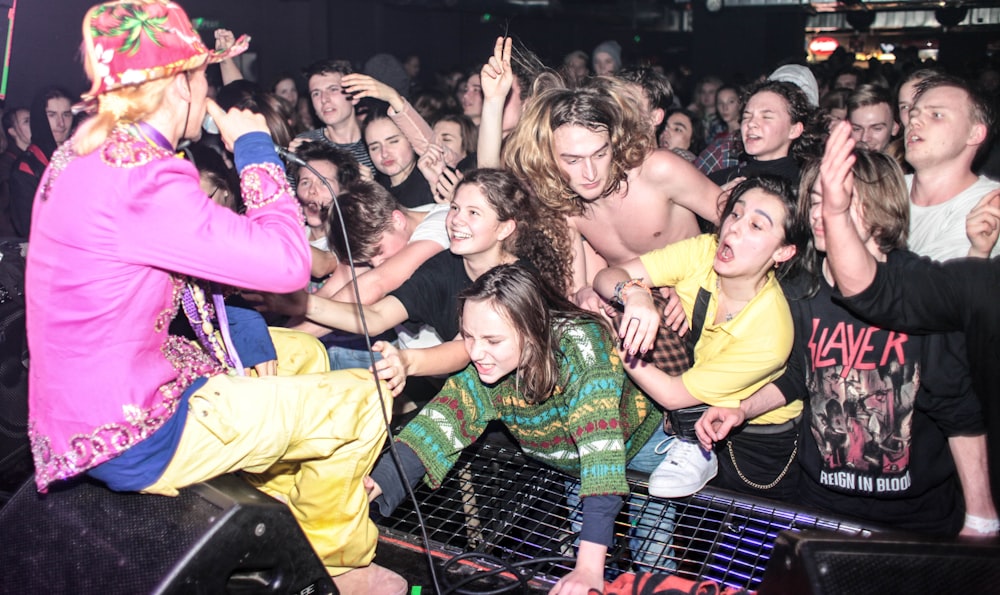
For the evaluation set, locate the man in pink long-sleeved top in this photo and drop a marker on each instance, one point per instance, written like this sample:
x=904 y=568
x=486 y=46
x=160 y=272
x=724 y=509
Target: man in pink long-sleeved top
x=121 y=225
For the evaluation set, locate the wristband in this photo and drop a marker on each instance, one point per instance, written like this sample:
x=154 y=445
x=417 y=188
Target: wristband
x=982 y=525
x=621 y=286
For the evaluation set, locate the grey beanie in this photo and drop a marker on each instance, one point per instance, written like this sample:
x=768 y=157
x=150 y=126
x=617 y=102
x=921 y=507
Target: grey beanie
x=801 y=77
x=611 y=48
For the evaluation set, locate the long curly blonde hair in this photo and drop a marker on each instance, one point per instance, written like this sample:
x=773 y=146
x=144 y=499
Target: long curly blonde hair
x=604 y=105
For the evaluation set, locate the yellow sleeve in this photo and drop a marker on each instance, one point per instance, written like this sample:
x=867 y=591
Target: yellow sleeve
x=669 y=265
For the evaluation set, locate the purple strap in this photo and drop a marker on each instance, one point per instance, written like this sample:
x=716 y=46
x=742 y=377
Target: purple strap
x=232 y=360
x=220 y=313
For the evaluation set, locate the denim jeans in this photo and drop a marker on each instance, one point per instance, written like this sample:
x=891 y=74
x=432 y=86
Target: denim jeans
x=344 y=358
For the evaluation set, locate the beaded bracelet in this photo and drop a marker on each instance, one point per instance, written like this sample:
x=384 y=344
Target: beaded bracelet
x=982 y=525
x=621 y=286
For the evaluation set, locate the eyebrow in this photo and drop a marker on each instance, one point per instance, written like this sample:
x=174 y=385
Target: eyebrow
x=764 y=215
x=601 y=148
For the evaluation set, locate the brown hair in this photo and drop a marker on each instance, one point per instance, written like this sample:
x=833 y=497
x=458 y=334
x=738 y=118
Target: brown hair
x=367 y=210
x=539 y=315
x=605 y=105
x=541 y=236
x=881 y=192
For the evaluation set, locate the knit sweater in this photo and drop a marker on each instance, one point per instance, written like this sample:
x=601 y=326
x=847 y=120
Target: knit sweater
x=593 y=423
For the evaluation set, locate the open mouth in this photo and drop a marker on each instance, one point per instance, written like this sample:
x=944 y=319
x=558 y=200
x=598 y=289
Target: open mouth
x=724 y=253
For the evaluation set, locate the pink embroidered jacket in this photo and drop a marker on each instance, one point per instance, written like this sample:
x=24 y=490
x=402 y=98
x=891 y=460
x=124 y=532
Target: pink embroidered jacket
x=109 y=229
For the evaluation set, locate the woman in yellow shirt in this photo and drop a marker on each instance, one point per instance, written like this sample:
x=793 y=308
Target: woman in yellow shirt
x=743 y=333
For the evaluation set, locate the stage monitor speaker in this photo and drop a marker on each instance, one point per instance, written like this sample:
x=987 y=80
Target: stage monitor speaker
x=222 y=536
x=824 y=563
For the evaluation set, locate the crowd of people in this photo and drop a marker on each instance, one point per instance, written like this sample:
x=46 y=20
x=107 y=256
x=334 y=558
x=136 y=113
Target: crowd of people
x=781 y=286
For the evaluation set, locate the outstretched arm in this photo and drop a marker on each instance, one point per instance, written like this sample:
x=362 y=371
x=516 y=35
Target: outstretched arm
x=377 y=282
x=224 y=39
x=853 y=267
x=380 y=316
x=969 y=453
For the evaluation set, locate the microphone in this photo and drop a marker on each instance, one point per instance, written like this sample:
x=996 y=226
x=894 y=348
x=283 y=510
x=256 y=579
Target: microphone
x=292 y=158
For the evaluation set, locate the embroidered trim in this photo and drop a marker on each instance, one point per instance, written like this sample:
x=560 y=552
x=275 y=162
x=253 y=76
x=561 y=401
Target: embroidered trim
x=168 y=313
x=262 y=184
x=137 y=424
x=61 y=158
x=123 y=149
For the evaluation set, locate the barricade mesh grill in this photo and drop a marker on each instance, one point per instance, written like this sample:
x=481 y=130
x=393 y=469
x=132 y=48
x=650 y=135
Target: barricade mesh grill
x=508 y=507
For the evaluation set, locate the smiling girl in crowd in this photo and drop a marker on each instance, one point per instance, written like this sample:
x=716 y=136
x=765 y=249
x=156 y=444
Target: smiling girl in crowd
x=745 y=336
x=492 y=221
x=550 y=372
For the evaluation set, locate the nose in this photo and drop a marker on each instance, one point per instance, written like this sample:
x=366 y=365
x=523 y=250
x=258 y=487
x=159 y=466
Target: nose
x=589 y=171
x=475 y=350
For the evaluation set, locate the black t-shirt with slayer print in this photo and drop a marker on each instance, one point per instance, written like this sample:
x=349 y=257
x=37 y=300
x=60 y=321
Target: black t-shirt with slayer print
x=879 y=406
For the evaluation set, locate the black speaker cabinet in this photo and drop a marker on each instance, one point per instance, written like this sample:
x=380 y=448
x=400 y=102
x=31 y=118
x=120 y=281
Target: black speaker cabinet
x=819 y=562
x=222 y=536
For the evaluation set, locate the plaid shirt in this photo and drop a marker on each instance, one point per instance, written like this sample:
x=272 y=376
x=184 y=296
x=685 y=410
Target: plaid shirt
x=670 y=352
x=718 y=155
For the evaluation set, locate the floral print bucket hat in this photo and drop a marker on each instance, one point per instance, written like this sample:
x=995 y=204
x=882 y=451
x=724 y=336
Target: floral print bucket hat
x=132 y=42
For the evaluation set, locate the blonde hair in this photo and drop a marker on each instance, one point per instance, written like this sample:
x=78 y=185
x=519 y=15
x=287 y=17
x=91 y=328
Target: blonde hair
x=125 y=104
x=605 y=105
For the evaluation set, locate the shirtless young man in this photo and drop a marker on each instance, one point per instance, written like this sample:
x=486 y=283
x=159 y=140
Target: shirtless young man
x=590 y=153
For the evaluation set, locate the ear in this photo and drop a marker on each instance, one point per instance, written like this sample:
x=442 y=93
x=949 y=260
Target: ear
x=398 y=219
x=978 y=134
x=796 y=131
x=784 y=253
x=506 y=229
x=657 y=115
x=182 y=86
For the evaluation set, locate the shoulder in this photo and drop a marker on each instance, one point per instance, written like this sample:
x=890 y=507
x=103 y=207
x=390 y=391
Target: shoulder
x=663 y=164
x=585 y=342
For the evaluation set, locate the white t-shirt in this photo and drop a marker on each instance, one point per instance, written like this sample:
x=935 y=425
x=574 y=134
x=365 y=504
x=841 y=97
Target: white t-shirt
x=432 y=227
x=938 y=231
x=410 y=335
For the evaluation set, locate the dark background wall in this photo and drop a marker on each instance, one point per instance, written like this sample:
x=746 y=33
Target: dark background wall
x=288 y=34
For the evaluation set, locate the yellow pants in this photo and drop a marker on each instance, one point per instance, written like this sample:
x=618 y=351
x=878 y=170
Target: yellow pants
x=298 y=352
x=308 y=439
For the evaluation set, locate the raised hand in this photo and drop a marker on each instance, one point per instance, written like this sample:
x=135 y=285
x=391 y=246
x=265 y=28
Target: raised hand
x=431 y=164
x=235 y=123
x=982 y=225
x=446 y=183
x=835 y=176
x=496 y=77
x=359 y=86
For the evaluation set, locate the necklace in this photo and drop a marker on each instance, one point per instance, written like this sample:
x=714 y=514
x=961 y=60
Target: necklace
x=729 y=303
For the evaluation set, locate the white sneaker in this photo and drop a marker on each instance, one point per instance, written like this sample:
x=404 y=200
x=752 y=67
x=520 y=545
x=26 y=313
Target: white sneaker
x=685 y=470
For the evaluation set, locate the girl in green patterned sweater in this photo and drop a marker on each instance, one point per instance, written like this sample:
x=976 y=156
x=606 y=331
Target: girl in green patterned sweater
x=550 y=372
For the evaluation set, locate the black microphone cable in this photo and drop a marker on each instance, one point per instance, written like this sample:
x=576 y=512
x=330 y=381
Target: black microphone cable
x=386 y=415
